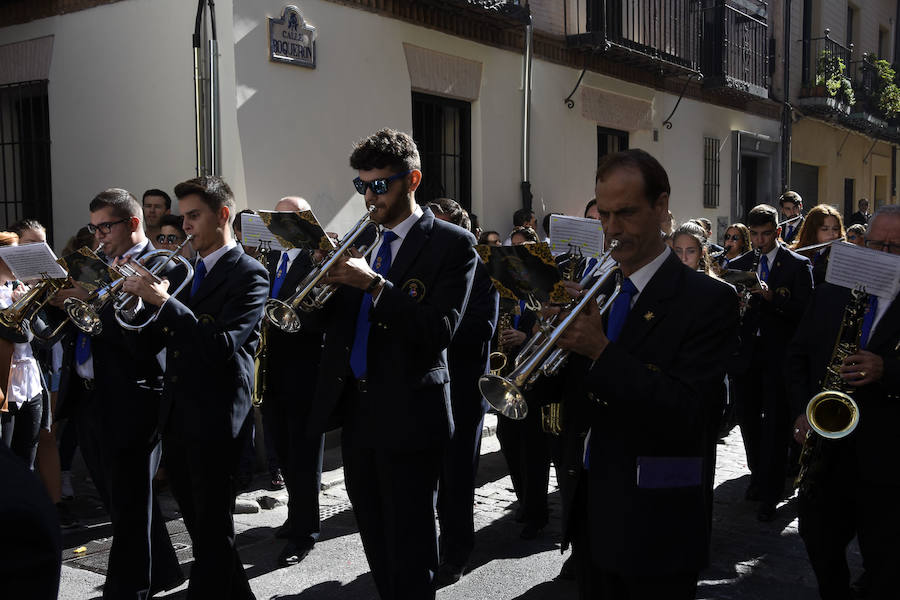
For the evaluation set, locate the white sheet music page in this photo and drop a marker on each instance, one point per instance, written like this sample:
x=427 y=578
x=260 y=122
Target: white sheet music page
x=32 y=261
x=254 y=231
x=586 y=234
x=853 y=266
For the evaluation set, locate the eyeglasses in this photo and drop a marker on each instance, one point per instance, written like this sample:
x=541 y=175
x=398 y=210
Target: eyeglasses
x=735 y=238
x=104 y=227
x=379 y=186
x=168 y=239
x=881 y=246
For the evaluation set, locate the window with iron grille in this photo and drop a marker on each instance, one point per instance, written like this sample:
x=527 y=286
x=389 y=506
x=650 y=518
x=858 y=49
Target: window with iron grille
x=442 y=131
x=25 y=191
x=610 y=141
x=710 y=172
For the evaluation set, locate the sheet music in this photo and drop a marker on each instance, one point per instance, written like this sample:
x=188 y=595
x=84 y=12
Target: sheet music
x=586 y=234
x=852 y=266
x=254 y=231
x=31 y=261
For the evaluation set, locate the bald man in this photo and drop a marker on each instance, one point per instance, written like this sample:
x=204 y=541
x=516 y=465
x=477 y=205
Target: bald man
x=291 y=370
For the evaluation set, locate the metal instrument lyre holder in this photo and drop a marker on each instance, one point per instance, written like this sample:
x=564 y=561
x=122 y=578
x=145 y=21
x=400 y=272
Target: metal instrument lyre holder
x=541 y=356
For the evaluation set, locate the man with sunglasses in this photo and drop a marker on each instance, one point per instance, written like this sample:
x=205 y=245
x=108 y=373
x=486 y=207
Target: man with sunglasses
x=113 y=386
x=384 y=374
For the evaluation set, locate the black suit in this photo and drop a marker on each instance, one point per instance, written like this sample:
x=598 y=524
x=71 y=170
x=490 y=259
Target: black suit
x=857 y=492
x=639 y=519
x=468 y=356
x=291 y=373
x=760 y=395
x=789 y=231
x=397 y=421
x=210 y=340
x=118 y=431
x=858 y=218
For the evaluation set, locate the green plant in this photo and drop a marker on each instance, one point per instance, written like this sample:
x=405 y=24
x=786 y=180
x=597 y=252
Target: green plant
x=884 y=86
x=830 y=74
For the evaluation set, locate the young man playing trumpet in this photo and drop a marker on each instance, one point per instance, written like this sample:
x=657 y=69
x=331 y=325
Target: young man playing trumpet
x=384 y=370
x=210 y=332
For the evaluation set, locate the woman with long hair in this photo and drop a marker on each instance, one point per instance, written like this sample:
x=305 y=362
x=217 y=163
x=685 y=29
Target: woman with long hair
x=689 y=244
x=822 y=224
x=737 y=241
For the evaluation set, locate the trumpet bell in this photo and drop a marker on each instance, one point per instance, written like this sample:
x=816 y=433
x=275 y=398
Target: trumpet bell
x=83 y=316
x=503 y=396
x=282 y=316
x=832 y=414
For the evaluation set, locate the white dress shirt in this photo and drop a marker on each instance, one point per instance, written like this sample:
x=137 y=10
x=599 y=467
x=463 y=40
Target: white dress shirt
x=24 y=372
x=213 y=257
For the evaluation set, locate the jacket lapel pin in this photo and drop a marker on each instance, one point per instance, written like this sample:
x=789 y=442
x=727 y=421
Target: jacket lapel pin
x=649 y=316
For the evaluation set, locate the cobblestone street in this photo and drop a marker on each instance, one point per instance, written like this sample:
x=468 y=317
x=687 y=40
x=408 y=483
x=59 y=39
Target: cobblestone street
x=750 y=560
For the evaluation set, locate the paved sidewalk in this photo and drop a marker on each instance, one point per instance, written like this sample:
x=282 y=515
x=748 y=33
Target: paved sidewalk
x=750 y=560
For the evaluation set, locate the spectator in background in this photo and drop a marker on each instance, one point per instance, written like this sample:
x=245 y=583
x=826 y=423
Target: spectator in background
x=862 y=216
x=523 y=217
x=156 y=204
x=545 y=224
x=523 y=235
x=668 y=225
x=476 y=225
x=590 y=210
x=706 y=224
x=491 y=238
x=856 y=234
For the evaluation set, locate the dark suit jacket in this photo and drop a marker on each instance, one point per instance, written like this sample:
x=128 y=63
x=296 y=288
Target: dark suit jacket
x=471 y=345
x=874 y=439
x=293 y=358
x=796 y=229
x=791 y=282
x=858 y=218
x=210 y=341
x=418 y=311
x=650 y=396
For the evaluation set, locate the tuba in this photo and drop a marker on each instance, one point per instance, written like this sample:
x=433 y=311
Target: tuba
x=542 y=356
x=832 y=413
x=311 y=294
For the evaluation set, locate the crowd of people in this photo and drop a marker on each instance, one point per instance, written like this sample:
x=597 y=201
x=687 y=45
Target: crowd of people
x=630 y=422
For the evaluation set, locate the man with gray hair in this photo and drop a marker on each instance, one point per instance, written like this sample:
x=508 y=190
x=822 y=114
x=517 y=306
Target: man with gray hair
x=852 y=494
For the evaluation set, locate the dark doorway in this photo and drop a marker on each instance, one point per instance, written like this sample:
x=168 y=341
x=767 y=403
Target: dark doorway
x=748 y=182
x=441 y=129
x=805 y=181
x=848 y=198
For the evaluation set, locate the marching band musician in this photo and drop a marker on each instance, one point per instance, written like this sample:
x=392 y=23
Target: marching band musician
x=822 y=224
x=856 y=492
x=385 y=375
x=110 y=382
x=468 y=360
x=791 y=206
x=210 y=332
x=767 y=327
x=292 y=366
x=638 y=520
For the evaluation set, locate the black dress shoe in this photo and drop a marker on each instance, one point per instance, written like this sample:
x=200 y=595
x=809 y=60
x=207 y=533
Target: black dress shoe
x=530 y=531
x=448 y=574
x=766 y=513
x=567 y=572
x=293 y=552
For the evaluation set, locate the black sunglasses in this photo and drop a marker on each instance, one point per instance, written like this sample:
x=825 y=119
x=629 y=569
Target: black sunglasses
x=104 y=227
x=379 y=186
x=168 y=239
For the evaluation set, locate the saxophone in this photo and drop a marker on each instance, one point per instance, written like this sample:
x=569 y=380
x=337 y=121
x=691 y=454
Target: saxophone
x=832 y=413
x=262 y=352
x=499 y=359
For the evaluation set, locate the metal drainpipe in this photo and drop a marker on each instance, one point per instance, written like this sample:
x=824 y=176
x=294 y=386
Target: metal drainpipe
x=786 y=110
x=526 y=114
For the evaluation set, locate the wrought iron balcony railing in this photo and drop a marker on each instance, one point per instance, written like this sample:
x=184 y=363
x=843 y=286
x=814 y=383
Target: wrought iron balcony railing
x=826 y=73
x=735 y=50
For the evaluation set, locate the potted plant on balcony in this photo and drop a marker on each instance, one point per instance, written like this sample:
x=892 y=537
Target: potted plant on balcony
x=885 y=92
x=832 y=81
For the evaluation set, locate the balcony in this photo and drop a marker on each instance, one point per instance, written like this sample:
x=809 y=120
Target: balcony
x=735 y=51
x=658 y=34
x=826 y=87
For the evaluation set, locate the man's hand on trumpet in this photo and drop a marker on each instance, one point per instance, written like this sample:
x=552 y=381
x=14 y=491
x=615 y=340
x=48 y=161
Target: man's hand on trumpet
x=147 y=286
x=585 y=335
x=75 y=291
x=352 y=269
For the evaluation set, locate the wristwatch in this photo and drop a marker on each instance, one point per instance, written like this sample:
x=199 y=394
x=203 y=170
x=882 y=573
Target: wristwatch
x=373 y=285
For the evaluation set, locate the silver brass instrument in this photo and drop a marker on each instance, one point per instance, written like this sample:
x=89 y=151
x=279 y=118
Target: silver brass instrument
x=310 y=294
x=790 y=220
x=832 y=413
x=819 y=246
x=85 y=314
x=504 y=394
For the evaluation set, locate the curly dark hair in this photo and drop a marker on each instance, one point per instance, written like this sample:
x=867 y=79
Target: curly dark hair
x=212 y=188
x=386 y=148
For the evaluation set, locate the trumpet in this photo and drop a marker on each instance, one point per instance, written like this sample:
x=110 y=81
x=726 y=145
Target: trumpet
x=310 y=294
x=85 y=314
x=542 y=356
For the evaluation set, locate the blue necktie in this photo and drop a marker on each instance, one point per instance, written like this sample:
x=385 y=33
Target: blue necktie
x=518 y=317
x=280 y=275
x=82 y=348
x=868 y=321
x=199 y=276
x=790 y=230
x=764 y=267
x=617 y=314
x=359 y=353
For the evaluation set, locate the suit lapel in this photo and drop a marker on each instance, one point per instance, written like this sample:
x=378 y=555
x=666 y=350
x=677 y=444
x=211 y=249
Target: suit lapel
x=652 y=305
x=888 y=330
x=216 y=276
x=412 y=244
x=299 y=268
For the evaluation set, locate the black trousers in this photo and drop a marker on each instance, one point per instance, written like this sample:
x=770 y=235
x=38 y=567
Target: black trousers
x=21 y=427
x=764 y=415
x=596 y=583
x=526 y=449
x=87 y=414
x=456 y=494
x=202 y=474
x=393 y=492
x=300 y=456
